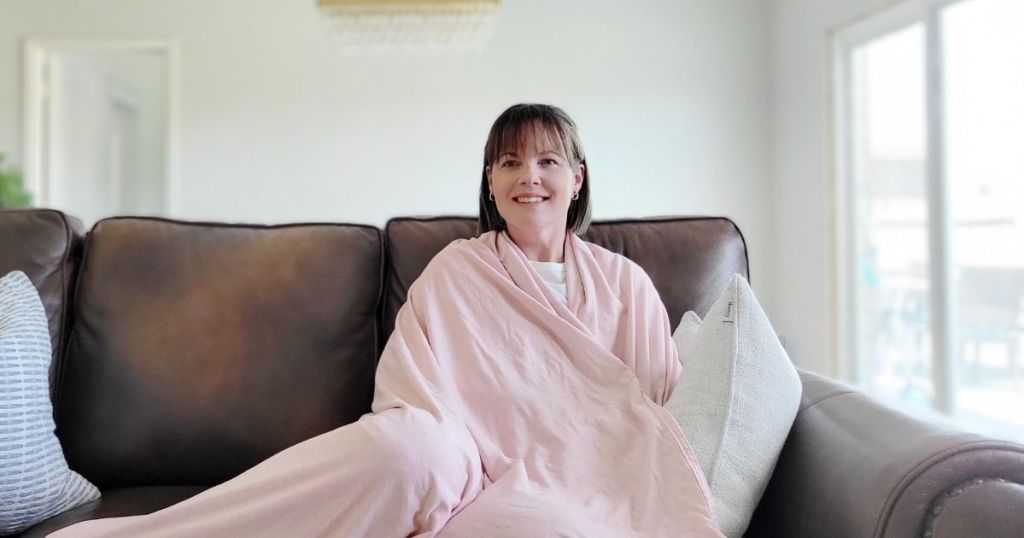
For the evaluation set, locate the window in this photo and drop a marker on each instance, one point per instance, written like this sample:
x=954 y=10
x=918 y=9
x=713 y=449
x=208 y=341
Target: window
x=929 y=132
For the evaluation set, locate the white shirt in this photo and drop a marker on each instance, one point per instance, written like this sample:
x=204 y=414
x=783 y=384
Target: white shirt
x=553 y=274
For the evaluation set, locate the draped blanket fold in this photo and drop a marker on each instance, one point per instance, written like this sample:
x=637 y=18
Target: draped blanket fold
x=498 y=411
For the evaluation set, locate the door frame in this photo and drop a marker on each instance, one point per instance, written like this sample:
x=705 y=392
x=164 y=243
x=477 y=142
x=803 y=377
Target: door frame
x=37 y=53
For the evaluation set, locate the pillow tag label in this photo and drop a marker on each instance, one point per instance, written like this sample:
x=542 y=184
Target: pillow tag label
x=730 y=308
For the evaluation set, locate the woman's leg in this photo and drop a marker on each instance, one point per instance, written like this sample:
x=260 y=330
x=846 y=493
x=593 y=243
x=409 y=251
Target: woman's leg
x=395 y=473
x=513 y=507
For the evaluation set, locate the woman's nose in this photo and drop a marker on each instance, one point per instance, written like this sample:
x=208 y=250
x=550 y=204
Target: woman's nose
x=531 y=175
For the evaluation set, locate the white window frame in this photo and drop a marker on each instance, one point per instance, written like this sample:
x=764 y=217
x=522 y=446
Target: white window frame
x=843 y=40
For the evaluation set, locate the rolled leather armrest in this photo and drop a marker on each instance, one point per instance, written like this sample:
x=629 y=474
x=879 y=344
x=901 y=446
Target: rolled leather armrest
x=852 y=466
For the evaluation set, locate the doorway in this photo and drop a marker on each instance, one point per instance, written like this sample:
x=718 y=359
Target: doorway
x=101 y=126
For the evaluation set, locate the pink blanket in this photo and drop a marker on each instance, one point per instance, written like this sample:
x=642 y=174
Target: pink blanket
x=498 y=412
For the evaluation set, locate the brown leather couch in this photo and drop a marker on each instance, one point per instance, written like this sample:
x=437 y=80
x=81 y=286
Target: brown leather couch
x=186 y=352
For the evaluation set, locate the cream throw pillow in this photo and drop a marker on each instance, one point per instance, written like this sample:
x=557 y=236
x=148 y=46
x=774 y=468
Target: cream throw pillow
x=735 y=400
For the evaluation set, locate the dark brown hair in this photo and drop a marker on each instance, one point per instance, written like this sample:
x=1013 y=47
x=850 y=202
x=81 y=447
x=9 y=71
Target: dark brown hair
x=509 y=133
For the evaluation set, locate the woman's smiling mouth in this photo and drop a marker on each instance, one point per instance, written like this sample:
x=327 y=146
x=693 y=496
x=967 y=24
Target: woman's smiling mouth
x=530 y=198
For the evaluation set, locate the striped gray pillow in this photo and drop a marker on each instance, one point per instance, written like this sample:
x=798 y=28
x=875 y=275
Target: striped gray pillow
x=35 y=481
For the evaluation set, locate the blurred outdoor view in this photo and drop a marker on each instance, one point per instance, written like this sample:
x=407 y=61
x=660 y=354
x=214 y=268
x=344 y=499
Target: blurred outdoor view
x=982 y=113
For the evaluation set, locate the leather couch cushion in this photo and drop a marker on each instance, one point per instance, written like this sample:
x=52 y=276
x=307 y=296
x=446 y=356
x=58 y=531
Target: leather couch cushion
x=411 y=244
x=198 y=350
x=45 y=245
x=689 y=259
x=117 y=502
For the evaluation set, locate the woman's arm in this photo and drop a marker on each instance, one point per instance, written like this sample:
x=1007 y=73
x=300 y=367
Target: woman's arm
x=656 y=355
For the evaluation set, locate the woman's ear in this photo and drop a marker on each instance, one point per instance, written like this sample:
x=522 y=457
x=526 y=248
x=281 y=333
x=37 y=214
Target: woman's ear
x=578 y=179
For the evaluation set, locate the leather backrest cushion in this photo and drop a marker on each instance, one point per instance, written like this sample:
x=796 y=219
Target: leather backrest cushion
x=411 y=244
x=689 y=259
x=198 y=350
x=45 y=245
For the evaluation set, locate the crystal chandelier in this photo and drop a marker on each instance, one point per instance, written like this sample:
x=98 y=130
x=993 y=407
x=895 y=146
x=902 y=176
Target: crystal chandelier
x=410 y=24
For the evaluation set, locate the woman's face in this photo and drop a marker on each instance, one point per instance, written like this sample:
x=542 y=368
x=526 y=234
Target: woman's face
x=534 y=184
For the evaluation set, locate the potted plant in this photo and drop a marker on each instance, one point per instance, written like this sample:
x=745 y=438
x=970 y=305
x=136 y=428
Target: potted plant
x=12 y=188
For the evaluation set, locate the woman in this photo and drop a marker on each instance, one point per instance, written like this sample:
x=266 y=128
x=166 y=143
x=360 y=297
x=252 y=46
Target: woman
x=519 y=395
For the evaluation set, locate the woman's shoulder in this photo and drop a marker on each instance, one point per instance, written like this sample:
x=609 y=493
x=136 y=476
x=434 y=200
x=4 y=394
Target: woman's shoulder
x=613 y=261
x=462 y=248
x=461 y=254
x=629 y=280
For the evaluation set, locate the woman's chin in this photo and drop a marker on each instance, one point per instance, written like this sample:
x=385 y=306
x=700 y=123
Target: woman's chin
x=537 y=226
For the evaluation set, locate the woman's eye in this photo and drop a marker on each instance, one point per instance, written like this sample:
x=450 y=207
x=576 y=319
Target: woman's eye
x=509 y=163
x=549 y=162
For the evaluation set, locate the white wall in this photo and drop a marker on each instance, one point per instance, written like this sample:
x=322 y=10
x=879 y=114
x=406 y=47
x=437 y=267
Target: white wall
x=279 y=126
x=804 y=308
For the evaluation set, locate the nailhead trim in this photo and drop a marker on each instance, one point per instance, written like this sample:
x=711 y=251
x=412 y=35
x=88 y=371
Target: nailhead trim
x=940 y=502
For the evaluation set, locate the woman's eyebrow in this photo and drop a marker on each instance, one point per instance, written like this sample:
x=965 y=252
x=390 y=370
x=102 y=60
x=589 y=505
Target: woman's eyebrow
x=552 y=153
x=508 y=153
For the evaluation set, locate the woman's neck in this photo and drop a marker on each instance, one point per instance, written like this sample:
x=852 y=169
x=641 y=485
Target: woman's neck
x=540 y=246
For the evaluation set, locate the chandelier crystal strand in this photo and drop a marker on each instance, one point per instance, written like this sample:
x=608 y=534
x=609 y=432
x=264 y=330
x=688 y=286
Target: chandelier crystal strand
x=361 y=25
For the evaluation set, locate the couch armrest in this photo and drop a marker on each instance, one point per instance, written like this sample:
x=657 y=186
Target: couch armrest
x=855 y=467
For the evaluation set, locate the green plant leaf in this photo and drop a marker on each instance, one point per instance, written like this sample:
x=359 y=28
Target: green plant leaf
x=12 y=187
